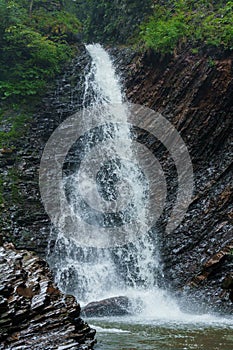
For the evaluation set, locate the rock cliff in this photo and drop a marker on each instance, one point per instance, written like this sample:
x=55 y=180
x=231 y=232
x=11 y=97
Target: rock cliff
x=22 y=211
x=195 y=93
x=34 y=313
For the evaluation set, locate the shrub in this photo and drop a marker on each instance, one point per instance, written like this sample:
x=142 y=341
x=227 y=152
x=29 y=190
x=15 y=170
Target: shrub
x=199 y=22
x=33 y=47
x=163 y=35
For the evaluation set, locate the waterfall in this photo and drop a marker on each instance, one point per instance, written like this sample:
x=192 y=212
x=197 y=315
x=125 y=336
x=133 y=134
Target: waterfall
x=110 y=181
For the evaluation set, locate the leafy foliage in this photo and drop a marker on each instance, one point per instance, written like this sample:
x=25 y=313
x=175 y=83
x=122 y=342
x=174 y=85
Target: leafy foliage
x=198 y=22
x=13 y=124
x=165 y=35
x=110 y=21
x=56 y=25
x=34 y=45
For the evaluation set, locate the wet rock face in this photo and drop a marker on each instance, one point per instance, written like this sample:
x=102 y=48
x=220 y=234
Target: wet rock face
x=195 y=93
x=34 y=313
x=22 y=211
x=117 y=306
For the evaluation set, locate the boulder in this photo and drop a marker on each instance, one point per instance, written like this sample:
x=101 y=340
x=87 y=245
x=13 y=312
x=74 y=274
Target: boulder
x=116 y=306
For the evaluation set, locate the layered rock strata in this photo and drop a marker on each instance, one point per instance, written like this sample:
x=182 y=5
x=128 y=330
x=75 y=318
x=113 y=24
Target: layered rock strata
x=34 y=313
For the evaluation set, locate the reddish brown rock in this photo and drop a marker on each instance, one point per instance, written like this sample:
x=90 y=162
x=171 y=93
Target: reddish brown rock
x=195 y=93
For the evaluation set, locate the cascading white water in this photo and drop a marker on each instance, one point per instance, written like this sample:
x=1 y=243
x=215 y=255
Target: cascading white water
x=102 y=78
x=93 y=273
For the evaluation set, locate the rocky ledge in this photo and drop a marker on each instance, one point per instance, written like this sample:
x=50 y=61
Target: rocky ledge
x=34 y=313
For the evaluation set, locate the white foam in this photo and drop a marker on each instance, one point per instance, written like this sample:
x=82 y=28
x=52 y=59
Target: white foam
x=108 y=330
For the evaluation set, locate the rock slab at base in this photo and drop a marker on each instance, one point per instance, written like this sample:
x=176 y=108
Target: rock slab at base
x=116 y=306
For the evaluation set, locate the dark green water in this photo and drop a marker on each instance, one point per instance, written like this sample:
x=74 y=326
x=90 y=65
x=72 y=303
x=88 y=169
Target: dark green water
x=120 y=334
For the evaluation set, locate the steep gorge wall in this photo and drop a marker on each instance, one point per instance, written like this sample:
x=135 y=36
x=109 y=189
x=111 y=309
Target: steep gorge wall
x=195 y=93
x=23 y=219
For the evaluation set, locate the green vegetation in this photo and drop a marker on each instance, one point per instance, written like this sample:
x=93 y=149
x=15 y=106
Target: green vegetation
x=16 y=122
x=35 y=39
x=114 y=22
x=164 y=25
x=197 y=22
x=9 y=188
x=36 y=36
